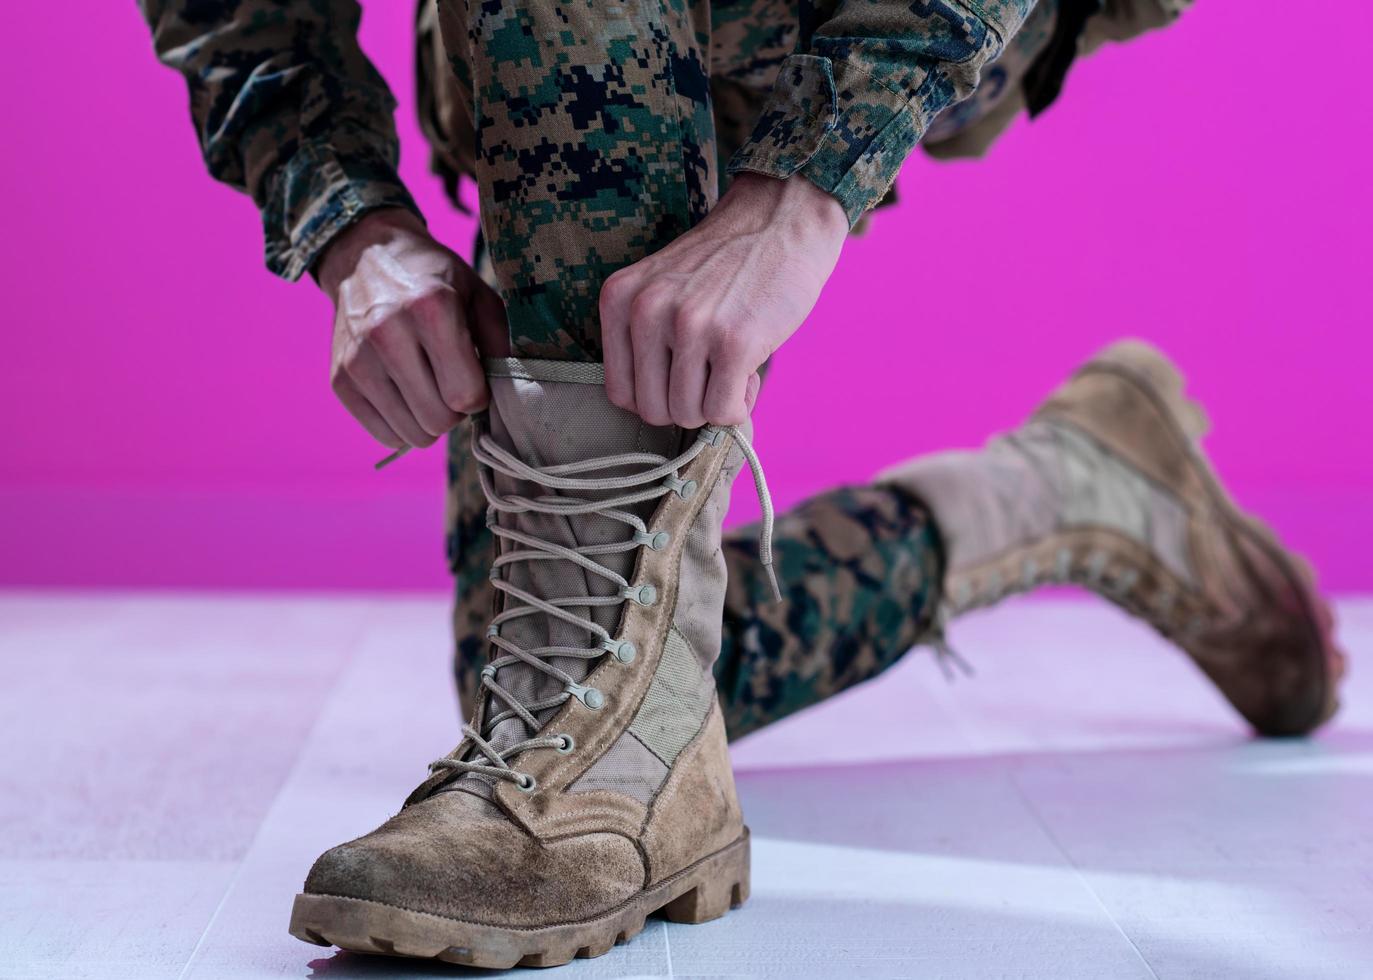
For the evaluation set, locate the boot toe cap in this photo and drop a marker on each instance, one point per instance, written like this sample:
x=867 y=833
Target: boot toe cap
x=435 y=857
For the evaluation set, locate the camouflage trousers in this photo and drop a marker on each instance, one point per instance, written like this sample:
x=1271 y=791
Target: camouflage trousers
x=860 y=569
x=597 y=133
x=594 y=145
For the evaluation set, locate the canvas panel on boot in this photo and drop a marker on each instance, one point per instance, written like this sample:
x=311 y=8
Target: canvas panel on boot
x=593 y=786
x=1107 y=487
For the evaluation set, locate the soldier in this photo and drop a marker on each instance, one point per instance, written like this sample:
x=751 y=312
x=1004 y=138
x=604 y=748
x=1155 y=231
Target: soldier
x=664 y=190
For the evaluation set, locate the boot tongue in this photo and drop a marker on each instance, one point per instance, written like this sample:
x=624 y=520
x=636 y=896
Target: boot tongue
x=546 y=423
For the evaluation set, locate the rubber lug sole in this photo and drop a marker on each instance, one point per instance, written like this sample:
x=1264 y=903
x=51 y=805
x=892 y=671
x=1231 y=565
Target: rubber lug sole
x=1155 y=373
x=704 y=891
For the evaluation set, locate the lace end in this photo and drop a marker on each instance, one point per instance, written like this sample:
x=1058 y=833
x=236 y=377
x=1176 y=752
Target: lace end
x=392 y=458
x=944 y=655
x=772 y=580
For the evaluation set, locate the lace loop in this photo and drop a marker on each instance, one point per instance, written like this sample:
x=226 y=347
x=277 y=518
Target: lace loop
x=628 y=479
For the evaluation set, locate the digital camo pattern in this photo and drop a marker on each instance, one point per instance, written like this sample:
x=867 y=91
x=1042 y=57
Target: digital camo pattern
x=859 y=567
x=866 y=82
x=595 y=134
x=288 y=108
x=594 y=147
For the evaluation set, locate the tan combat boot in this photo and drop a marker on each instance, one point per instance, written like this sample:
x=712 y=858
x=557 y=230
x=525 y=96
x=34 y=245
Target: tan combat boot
x=1107 y=487
x=593 y=786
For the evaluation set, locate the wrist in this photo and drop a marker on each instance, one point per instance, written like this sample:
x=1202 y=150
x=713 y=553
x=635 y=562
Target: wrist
x=792 y=199
x=380 y=227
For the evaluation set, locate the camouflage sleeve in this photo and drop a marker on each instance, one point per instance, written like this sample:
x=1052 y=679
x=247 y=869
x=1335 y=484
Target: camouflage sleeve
x=866 y=81
x=289 y=109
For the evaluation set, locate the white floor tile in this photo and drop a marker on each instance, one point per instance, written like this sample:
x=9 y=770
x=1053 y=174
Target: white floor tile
x=1086 y=806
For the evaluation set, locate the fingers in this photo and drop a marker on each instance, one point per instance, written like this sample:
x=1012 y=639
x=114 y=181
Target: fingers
x=755 y=385
x=732 y=390
x=687 y=379
x=650 y=314
x=486 y=321
x=617 y=297
x=412 y=373
x=373 y=380
x=452 y=359
x=669 y=362
x=361 y=409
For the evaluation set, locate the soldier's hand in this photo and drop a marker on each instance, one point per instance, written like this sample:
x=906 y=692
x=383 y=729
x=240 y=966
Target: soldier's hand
x=409 y=316
x=686 y=329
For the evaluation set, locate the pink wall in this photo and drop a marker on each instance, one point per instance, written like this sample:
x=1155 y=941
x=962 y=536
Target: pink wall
x=166 y=414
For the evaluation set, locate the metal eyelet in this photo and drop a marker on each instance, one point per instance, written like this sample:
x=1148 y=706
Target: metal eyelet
x=526 y=783
x=653 y=541
x=621 y=650
x=644 y=595
x=588 y=696
x=710 y=435
x=686 y=489
x=568 y=744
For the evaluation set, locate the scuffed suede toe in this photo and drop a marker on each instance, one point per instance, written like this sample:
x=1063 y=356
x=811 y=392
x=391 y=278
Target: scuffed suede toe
x=457 y=856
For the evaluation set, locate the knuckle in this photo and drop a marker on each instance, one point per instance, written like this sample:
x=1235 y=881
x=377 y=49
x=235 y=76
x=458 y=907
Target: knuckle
x=387 y=333
x=688 y=327
x=615 y=289
x=620 y=395
x=731 y=346
x=466 y=400
x=648 y=304
x=432 y=306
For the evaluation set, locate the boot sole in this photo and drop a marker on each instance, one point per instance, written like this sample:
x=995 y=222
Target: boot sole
x=699 y=893
x=1154 y=374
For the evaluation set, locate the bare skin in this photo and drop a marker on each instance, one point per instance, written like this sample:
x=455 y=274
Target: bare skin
x=408 y=314
x=685 y=330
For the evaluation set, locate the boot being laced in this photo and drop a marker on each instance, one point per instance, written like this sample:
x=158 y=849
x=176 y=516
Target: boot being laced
x=650 y=476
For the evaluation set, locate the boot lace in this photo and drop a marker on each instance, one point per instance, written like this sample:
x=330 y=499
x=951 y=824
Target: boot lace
x=649 y=477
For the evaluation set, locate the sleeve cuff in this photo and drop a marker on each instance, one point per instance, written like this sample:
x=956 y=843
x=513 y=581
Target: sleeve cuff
x=318 y=193
x=836 y=126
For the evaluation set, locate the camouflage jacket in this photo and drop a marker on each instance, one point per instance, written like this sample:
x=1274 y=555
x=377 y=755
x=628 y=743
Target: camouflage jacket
x=288 y=108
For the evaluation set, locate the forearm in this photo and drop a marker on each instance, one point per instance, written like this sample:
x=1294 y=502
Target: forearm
x=288 y=109
x=849 y=107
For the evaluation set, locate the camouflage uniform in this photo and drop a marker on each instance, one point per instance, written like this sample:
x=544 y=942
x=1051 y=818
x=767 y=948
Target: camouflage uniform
x=598 y=131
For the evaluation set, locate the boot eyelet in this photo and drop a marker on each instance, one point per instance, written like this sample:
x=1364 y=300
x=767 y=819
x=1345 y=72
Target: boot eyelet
x=588 y=696
x=644 y=595
x=526 y=783
x=652 y=541
x=686 y=489
x=711 y=435
x=621 y=650
x=568 y=744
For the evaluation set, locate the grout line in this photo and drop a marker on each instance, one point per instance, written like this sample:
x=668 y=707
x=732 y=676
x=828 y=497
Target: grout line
x=1077 y=871
x=364 y=628
x=667 y=949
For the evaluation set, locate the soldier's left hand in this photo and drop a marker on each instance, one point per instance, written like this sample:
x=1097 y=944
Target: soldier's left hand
x=686 y=329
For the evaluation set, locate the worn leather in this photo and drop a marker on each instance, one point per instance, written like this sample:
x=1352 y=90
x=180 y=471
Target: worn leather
x=1213 y=579
x=498 y=855
x=457 y=855
x=697 y=810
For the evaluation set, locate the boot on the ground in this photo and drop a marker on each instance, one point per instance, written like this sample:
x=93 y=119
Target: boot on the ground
x=593 y=786
x=1106 y=487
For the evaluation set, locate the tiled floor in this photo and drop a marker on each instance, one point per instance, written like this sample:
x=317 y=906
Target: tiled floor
x=1083 y=807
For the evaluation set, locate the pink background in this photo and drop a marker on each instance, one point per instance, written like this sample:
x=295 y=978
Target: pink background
x=167 y=420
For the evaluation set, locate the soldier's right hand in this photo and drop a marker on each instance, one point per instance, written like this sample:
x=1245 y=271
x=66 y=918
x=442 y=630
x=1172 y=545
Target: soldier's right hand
x=409 y=316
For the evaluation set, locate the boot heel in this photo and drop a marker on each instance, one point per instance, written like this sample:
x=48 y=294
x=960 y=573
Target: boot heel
x=1152 y=367
x=706 y=901
x=723 y=885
